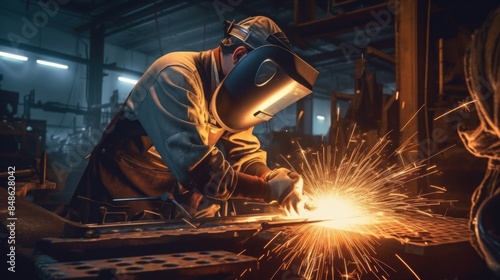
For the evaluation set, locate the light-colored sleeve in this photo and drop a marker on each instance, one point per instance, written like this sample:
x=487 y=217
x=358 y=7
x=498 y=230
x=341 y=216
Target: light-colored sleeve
x=244 y=153
x=172 y=110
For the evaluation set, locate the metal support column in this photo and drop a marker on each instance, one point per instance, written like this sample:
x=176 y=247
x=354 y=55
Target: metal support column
x=411 y=43
x=95 y=77
x=304 y=11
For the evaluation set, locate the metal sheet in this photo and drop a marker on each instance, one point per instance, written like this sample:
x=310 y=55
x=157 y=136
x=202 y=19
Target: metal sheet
x=153 y=237
x=178 y=265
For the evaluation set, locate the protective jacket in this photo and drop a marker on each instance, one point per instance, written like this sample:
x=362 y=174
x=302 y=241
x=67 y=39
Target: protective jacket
x=482 y=70
x=164 y=139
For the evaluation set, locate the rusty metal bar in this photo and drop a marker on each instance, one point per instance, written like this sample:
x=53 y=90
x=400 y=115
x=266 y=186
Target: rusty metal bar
x=380 y=54
x=410 y=76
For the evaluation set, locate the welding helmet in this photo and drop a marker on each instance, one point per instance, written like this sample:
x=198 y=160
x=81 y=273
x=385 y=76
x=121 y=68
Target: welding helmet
x=268 y=79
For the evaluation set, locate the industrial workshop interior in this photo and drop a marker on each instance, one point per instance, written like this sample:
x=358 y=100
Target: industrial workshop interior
x=238 y=139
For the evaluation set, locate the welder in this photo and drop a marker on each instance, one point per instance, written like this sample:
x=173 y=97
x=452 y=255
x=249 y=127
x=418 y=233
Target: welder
x=482 y=137
x=186 y=129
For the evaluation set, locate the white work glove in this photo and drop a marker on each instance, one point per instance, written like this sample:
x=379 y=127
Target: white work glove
x=207 y=212
x=285 y=187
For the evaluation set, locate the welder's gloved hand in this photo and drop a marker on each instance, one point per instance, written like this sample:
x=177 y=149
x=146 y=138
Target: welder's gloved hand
x=285 y=187
x=203 y=207
x=207 y=212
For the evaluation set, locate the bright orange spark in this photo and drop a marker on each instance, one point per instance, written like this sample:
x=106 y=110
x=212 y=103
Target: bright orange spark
x=463 y=105
x=409 y=268
x=363 y=198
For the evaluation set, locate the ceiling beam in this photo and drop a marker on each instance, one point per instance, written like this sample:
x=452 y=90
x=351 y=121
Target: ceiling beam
x=339 y=55
x=143 y=18
x=115 y=12
x=339 y=24
x=87 y=8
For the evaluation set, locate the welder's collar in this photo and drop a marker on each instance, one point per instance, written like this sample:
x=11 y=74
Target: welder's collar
x=217 y=61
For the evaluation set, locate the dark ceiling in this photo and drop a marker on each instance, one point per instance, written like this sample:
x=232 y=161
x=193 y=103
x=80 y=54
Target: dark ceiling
x=328 y=36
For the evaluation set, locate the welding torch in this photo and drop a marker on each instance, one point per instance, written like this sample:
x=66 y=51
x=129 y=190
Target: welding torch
x=293 y=222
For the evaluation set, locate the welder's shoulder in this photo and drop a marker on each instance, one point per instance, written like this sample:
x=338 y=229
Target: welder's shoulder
x=186 y=60
x=177 y=67
x=174 y=72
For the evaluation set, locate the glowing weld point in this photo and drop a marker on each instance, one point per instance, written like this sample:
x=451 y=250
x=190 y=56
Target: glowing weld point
x=362 y=197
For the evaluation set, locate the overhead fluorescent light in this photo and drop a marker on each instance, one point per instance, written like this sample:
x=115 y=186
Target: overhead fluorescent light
x=127 y=80
x=320 y=117
x=52 y=64
x=13 y=56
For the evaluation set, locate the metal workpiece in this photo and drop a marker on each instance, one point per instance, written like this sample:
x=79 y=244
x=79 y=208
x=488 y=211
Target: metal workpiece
x=247 y=246
x=152 y=237
x=201 y=249
x=436 y=235
x=186 y=265
x=442 y=244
